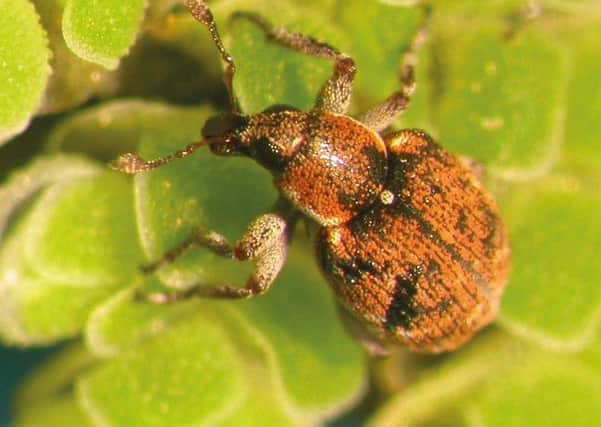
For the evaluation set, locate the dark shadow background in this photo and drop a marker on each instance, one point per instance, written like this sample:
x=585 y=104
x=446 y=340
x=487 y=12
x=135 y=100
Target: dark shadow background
x=15 y=365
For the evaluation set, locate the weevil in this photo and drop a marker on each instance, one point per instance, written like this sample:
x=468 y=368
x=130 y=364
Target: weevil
x=410 y=242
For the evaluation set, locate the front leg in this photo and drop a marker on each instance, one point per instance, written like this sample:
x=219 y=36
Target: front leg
x=265 y=241
x=335 y=94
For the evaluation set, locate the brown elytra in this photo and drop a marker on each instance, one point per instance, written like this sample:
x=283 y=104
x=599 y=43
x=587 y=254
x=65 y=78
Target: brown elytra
x=427 y=265
x=409 y=240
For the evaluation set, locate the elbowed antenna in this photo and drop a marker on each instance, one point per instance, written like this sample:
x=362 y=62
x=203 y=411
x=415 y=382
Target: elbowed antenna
x=201 y=12
x=132 y=163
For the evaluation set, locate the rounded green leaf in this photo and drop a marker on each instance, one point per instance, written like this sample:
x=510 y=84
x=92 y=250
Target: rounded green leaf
x=121 y=322
x=62 y=259
x=554 y=295
x=73 y=233
x=445 y=383
x=580 y=151
x=550 y=392
x=25 y=183
x=102 y=31
x=191 y=374
x=118 y=126
x=378 y=35
x=499 y=99
x=24 y=69
x=34 y=309
x=73 y=80
x=319 y=363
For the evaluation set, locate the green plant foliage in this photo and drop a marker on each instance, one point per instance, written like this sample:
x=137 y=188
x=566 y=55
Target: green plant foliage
x=24 y=66
x=78 y=79
x=102 y=31
x=508 y=85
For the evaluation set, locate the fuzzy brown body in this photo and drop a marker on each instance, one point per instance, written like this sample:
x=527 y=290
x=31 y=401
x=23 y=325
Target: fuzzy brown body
x=428 y=266
x=410 y=242
x=329 y=166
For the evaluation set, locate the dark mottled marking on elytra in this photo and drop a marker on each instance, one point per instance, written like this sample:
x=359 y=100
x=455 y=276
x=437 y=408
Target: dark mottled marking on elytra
x=433 y=269
x=435 y=189
x=461 y=224
x=349 y=201
x=348 y=271
x=403 y=166
x=365 y=224
x=367 y=266
x=489 y=241
x=343 y=269
x=401 y=310
x=377 y=165
x=444 y=305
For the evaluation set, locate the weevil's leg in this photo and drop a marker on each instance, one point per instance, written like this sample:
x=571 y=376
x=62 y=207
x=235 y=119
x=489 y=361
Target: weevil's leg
x=381 y=116
x=265 y=241
x=335 y=94
x=132 y=163
x=201 y=12
x=210 y=240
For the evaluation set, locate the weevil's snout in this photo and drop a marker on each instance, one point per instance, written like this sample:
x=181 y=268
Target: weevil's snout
x=222 y=133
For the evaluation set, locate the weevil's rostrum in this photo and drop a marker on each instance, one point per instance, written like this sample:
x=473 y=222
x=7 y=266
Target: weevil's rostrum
x=409 y=240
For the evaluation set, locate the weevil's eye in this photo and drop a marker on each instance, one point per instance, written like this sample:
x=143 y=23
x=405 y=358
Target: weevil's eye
x=221 y=133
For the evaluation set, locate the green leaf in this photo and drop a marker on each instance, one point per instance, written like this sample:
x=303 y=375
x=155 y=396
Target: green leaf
x=498 y=381
x=550 y=392
x=582 y=127
x=43 y=400
x=554 y=295
x=319 y=363
x=119 y=324
x=377 y=53
x=191 y=374
x=293 y=79
x=311 y=356
x=60 y=231
x=118 y=126
x=73 y=80
x=499 y=100
x=56 y=412
x=57 y=264
x=29 y=312
x=26 y=183
x=102 y=31
x=24 y=69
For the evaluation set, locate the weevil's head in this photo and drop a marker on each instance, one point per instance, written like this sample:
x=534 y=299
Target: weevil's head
x=223 y=134
x=271 y=137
